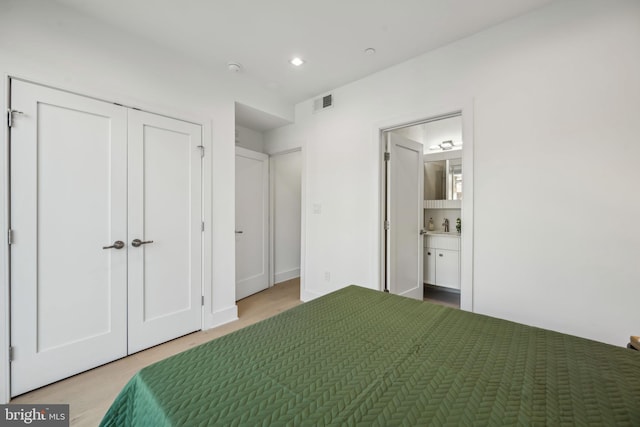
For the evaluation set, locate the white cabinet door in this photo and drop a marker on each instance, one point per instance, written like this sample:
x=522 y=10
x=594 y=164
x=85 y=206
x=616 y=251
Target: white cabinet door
x=68 y=200
x=447 y=268
x=164 y=210
x=430 y=266
x=252 y=222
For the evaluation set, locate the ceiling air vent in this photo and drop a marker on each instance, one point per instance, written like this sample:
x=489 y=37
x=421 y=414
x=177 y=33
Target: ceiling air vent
x=322 y=103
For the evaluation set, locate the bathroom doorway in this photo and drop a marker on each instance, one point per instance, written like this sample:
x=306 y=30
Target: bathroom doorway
x=444 y=231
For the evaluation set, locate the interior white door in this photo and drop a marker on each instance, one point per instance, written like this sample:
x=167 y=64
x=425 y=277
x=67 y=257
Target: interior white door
x=165 y=217
x=68 y=201
x=405 y=215
x=252 y=222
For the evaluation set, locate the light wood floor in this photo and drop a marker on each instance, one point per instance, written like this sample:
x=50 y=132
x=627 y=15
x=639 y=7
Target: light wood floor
x=91 y=393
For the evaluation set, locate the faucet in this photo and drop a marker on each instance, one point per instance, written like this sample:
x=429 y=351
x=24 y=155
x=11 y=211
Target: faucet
x=446 y=225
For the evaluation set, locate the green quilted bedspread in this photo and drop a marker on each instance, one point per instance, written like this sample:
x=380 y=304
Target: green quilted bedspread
x=358 y=356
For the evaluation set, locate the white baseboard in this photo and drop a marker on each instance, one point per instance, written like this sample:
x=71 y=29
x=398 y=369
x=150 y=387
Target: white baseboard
x=287 y=275
x=306 y=296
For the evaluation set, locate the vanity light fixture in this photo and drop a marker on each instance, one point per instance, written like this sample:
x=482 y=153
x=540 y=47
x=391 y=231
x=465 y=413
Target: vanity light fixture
x=297 y=61
x=444 y=145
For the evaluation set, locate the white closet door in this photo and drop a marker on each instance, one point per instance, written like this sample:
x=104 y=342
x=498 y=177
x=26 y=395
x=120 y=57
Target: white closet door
x=68 y=200
x=165 y=211
x=252 y=222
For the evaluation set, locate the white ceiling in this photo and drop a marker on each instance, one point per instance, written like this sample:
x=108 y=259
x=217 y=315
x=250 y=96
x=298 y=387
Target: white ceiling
x=330 y=35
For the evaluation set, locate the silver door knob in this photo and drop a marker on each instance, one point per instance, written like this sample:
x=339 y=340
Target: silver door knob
x=137 y=242
x=423 y=231
x=118 y=244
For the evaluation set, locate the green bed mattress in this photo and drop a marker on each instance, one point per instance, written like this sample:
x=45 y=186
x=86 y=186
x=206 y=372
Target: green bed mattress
x=358 y=356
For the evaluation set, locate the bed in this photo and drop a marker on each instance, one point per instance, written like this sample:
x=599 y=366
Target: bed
x=359 y=356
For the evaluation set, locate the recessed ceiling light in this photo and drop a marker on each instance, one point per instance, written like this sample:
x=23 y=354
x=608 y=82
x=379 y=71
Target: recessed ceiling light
x=370 y=51
x=297 y=61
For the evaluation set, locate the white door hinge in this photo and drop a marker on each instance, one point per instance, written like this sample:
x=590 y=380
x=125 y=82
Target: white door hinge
x=10 y=114
x=202 y=226
x=10 y=236
x=387 y=156
x=201 y=147
x=387 y=225
x=11 y=354
x=202 y=300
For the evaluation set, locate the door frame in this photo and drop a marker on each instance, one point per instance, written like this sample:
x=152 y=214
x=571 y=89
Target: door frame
x=206 y=125
x=465 y=110
x=5 y=332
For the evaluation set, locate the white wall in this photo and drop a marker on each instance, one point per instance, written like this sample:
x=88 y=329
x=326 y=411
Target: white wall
x=51 y=44
x=249 y=139
x=286 y=195
x=555 y=96
x=56 y=46
x=285 y=138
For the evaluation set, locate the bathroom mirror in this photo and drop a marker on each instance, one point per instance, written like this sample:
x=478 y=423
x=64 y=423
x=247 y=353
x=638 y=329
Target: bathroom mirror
x=443 y=179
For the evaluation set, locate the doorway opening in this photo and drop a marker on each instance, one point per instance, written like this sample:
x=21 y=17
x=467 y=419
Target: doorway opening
x=268 y=204
x=426 y=207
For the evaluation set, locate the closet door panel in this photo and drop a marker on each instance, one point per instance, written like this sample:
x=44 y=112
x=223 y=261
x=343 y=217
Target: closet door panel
x=68 y=187
x=165 y=211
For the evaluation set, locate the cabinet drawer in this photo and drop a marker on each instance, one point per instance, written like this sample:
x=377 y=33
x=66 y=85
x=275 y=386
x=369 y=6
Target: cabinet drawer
x=451 y=243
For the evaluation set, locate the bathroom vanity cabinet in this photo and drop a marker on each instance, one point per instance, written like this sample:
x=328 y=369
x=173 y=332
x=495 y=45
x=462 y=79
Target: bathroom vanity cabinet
x=442 y=260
